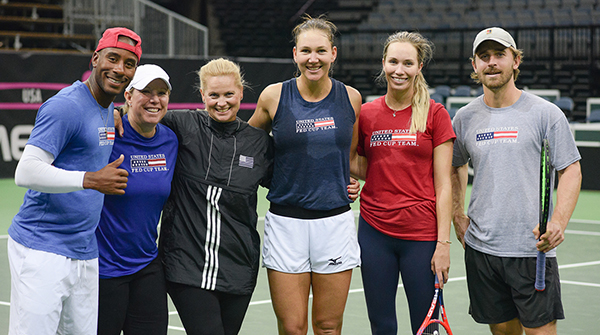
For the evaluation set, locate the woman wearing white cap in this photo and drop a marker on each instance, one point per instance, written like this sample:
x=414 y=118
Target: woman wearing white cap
x=132 y=293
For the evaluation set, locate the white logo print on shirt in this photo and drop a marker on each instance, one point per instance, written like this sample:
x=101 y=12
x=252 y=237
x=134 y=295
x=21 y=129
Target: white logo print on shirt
x=325 y=123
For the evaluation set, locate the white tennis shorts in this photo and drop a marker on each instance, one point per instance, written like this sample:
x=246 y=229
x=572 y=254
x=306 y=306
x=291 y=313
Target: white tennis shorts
x=51 y=294
x=327 y=245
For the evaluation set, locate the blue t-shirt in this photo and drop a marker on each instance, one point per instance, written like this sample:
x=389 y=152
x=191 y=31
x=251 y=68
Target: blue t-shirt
x=127 y=230
x=79 y=132
x=312 y=149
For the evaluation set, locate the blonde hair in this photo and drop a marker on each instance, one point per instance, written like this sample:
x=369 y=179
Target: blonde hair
x=420 y=99
x=516 y=53
x=221 y=67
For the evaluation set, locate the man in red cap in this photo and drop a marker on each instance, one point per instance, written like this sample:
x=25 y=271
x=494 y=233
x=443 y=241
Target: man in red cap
x=52 y=249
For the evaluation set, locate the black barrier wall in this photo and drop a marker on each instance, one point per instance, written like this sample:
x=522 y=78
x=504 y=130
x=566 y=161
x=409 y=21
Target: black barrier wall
x=27 y=80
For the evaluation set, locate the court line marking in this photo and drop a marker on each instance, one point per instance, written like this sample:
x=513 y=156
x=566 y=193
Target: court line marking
x=585 y=221
x=578 y=283
x=568 y=231
x=566 y=266
x=582 y=232
x=578 y=265
x=263 y=302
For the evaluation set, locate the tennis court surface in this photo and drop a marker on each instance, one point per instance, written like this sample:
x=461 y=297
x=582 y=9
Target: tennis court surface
x=578 y=258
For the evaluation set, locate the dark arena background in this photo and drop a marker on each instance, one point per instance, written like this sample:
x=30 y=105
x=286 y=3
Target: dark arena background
x=46 y=45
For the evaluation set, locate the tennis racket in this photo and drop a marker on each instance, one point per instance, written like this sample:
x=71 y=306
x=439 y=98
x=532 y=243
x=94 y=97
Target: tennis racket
x=540 y=269
x=434 y=326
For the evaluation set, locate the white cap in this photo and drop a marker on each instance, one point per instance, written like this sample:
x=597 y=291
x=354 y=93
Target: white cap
x=147 y=73
x=495 y=34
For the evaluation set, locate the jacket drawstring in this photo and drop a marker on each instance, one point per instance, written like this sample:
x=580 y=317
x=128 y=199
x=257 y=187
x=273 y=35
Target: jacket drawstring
x=209 y=155
x=232 y=159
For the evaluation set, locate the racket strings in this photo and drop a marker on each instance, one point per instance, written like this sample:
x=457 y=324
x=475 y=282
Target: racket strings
x=435 y=329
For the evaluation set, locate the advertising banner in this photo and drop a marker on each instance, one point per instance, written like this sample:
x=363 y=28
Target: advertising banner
x=27 y=80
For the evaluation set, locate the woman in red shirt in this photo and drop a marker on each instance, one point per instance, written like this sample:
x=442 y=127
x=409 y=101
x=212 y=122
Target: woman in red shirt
x=405 y=154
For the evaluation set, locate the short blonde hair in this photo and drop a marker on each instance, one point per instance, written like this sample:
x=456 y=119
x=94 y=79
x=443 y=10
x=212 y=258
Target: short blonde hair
x=221 y=67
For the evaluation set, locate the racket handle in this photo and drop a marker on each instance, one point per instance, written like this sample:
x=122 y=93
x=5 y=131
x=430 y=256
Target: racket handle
x=540 y=272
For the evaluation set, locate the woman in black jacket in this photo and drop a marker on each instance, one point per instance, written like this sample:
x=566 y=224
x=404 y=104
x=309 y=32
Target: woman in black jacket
x=209 y=243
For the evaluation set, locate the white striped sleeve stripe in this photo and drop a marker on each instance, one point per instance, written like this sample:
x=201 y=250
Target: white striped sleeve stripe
x=213 y=239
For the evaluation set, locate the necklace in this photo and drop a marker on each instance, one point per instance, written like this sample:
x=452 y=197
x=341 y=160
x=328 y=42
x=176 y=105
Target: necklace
x=394 y=110
x=101 y=116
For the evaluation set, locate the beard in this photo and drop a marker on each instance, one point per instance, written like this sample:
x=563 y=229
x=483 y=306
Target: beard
x=497 y=82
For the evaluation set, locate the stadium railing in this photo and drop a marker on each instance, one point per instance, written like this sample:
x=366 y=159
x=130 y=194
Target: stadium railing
x=163 y=32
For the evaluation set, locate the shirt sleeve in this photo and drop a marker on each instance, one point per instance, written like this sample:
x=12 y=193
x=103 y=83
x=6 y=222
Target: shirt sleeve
x=460 y=155
x=35 y=171
x=563 y=149
x=442 y=126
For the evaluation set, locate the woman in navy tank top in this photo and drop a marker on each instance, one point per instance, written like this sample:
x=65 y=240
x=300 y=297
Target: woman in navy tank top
x=310 y=233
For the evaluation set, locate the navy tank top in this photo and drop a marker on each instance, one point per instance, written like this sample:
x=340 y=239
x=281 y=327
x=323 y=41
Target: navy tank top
x=312 y=149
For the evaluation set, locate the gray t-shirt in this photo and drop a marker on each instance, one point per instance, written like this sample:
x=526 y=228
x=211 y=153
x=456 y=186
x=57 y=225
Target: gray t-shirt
x=504 y=146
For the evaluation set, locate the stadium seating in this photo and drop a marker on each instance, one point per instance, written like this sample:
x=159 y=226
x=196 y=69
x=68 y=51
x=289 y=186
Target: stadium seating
x=567 y=105
x=452 y=112
x=594 y=116
x=443 y=90
x=437 y=98
x=37 y=26
x=462 y=91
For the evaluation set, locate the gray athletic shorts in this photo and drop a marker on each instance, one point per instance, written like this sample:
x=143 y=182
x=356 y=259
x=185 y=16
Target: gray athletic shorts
x=325 y=245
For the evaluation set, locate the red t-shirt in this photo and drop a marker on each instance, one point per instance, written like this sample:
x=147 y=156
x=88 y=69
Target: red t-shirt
x=398 y=197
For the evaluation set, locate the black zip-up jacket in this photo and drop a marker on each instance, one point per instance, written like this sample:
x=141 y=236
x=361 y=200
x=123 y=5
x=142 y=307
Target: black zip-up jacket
x=208 y=235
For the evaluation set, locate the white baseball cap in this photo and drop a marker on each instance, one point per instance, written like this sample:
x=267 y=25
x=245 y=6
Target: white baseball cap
x=147 y=73
x=494 y=34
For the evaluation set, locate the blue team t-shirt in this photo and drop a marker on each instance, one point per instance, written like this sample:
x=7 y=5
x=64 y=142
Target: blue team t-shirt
x=79 y=132
x=127 y=230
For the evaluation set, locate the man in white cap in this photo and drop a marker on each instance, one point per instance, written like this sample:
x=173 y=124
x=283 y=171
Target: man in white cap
x=501 y=134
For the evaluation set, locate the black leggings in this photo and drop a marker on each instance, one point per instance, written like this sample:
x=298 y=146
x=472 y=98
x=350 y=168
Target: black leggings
x=384 y=259
x=208 y=312
x=136 y=304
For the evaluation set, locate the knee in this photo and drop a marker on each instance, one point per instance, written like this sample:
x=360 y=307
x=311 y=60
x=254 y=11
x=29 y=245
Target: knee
x=330 y=326
x=292 y=328
x=512 y=327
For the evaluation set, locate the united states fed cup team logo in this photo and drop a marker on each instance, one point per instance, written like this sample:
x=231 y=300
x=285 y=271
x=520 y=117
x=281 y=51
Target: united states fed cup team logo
x=393 y=137
x=501 y=135
x=148 y=163
x=319 y=124
x=106 y=135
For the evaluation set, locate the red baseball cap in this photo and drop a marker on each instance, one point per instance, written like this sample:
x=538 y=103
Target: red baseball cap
x=110 y=39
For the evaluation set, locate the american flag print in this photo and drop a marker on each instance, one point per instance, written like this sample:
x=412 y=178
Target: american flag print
x=325 y=123
x=148 y=163
x=106 y=136
x=391 y=138
x=394 y=137
x=498 y=134
x=247 y=162
x=303 y=126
